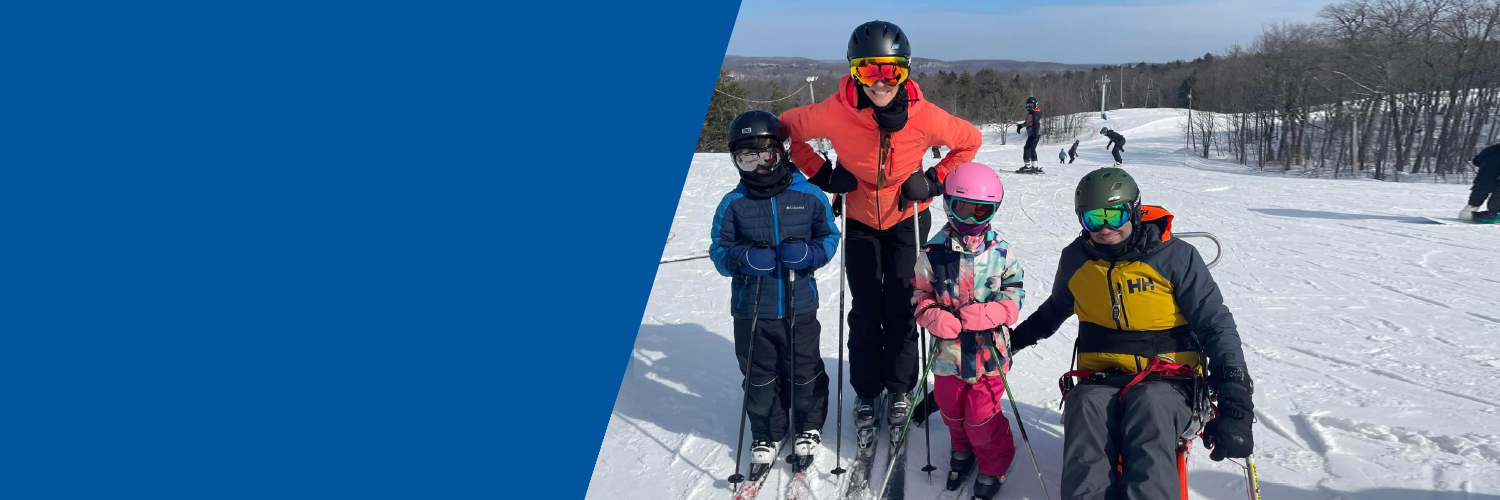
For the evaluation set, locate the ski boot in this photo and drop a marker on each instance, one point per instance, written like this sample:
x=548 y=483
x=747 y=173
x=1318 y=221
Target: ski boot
x=1486 y=218
x=1118 y=164
x=762 y=457
x=865 y=422
x=960 y=465
x=986 y=487
x=803 y=447
x=898 y=408
x=1036 y=168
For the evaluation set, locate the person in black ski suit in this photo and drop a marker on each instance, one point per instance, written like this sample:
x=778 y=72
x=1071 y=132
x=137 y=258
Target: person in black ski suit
x=1073 y=152
x=1486 y=184
x=1116 y=140
x=770 y=234
x=1033 y=126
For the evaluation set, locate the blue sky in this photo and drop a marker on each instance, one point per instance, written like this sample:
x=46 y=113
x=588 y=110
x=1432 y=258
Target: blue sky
x=1068 y=31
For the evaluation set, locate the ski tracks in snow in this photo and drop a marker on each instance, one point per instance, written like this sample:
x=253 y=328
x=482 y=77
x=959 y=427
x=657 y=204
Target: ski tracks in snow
x=1370 y=333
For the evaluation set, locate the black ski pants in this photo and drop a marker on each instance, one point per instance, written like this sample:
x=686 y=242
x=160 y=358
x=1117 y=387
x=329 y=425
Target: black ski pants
x=771 y=375
x=1119 y=146
x=1137 y=432
x=882 y=331
x=1029 y=153
x=1485 y=187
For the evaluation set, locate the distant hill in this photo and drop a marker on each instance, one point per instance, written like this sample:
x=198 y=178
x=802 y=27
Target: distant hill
x=798 y=67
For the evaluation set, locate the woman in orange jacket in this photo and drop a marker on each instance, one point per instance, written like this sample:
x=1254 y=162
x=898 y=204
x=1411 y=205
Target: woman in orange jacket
x=880 y=128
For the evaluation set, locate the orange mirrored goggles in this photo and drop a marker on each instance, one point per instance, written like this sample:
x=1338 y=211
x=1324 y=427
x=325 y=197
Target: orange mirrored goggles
x=868 y=70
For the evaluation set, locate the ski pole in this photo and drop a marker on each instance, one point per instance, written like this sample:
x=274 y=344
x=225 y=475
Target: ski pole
x=922 y=395
x=916 y=235
x=838 y=455
x=745 y=401
x=927 y=428
x=1019 y=423
x=791 y=332
x=1252 y=483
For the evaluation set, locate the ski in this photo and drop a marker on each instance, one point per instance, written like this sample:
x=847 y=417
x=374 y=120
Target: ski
x=864 y=462
x=681 y=258
x=963 y=487
x=749 y=490
x=800 y=488
x=1452 y=221
x=959 y=484
x=896 y=483
x=864 y=458
x=752 y=485
x=754 y=482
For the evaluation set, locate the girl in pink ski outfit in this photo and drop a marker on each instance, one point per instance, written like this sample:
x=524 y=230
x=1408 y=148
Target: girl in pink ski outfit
x=968 y=292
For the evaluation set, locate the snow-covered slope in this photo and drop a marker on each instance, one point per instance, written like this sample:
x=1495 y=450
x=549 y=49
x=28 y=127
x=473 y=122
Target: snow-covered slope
x=1373 y=336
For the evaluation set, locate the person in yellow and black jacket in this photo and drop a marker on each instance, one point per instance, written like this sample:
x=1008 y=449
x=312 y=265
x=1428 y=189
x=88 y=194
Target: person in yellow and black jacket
x=1151 y=325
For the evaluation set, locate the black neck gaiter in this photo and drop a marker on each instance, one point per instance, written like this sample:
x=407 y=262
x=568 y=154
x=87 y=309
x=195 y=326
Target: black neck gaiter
x=767 y=185
x=890 y=118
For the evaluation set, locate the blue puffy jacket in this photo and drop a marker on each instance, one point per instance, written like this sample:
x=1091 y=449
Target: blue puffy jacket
x=800 y=211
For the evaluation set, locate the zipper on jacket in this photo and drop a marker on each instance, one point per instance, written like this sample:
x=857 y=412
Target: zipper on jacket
x=881 y=177
x=776 y=233
x=1114 y=300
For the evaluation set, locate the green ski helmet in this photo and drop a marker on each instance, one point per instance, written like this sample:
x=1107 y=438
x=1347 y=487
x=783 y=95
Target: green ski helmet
x=1107 y=187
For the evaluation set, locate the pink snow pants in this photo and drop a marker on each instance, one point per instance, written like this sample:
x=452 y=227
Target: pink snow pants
x=976 y=422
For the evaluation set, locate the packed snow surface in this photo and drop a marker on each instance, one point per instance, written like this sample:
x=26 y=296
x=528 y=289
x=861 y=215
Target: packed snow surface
x=1373 y=335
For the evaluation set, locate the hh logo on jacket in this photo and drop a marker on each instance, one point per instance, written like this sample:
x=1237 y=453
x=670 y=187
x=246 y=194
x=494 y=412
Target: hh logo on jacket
x=1140 y=285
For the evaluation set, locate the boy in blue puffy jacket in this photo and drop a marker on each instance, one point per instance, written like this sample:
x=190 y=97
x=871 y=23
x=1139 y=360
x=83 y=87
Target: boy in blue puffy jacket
x=770 y=234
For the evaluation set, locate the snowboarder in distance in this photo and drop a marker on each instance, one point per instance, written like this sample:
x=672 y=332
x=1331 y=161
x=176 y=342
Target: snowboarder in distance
x=935 y=153
x=968 y=292
x=1062 y=156
x=1033 y=127
x=1486 y=184
x=1116 y=140
x=770 y=234
x=1073 y=152
x=1154 y=342
x=889 y=204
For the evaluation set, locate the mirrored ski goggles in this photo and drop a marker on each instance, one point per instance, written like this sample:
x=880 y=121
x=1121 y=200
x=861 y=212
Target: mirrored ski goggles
x=1096 y=219
x=750 y=159
x=972 y=212
x=868 y=70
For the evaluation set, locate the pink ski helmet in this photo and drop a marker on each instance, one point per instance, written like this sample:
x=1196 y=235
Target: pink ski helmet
x=974 y=181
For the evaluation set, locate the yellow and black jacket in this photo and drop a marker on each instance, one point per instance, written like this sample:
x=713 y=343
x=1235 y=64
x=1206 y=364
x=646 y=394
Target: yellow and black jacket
x=1155 y=299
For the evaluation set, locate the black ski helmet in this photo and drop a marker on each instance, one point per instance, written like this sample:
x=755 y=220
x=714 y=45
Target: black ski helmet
x=1107 y=187
x=756 y=123
x=878 y=39
x=1031 y=102
x=1104 y=130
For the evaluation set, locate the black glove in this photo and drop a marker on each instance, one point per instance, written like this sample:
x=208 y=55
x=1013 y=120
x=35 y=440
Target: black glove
x=841 y=181
x=1228 y=434
x=1022 y=336
x=834 y=178
x=921 y=187
x=1019 y=126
